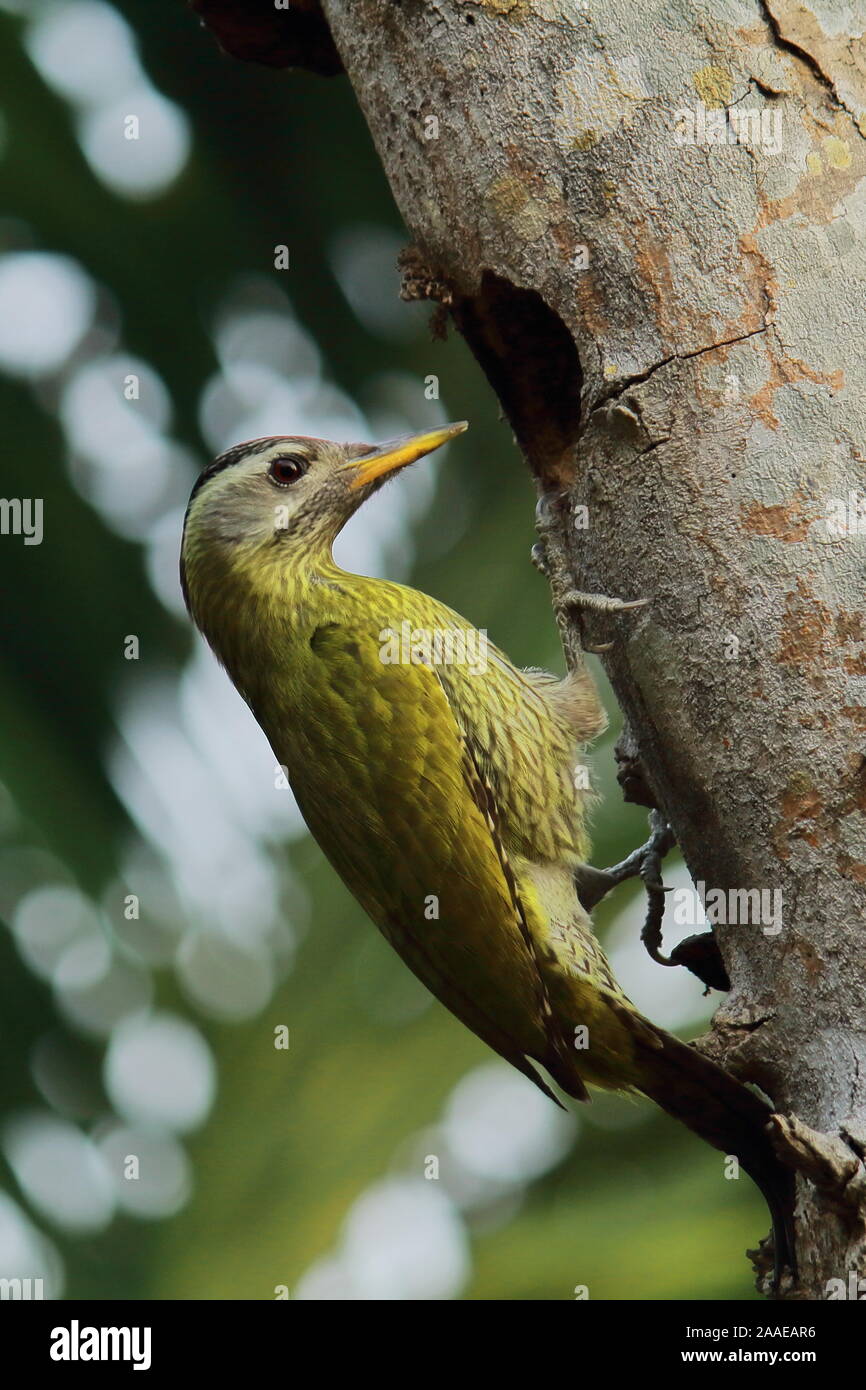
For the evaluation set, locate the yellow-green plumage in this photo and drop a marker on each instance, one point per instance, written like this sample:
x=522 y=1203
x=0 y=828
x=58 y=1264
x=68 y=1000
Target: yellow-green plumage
x=444 y=796
x=426 y=782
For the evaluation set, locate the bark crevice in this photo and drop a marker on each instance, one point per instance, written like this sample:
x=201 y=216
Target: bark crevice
x=799 y=50
x=619 y=390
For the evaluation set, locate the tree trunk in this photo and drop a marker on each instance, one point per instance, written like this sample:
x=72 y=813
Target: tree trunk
x=649 y=223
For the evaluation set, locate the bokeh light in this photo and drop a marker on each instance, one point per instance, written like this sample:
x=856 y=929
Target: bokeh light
x=46 y=306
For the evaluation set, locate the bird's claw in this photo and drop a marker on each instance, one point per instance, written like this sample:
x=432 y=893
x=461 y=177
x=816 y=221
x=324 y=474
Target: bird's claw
x=645 y=862
x=539 y=559
x=600 y=603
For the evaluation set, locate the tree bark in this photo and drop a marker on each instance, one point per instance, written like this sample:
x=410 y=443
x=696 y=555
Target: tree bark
x=649 y=224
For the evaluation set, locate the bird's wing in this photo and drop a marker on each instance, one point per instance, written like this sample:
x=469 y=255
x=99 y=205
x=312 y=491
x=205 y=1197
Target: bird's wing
x=528 y=728
x=391 y=786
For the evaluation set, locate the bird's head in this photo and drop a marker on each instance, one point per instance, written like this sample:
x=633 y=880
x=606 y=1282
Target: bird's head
x=289 y=489
x=289 y=495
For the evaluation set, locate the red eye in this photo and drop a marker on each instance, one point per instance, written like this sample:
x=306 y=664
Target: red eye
x=287 y=469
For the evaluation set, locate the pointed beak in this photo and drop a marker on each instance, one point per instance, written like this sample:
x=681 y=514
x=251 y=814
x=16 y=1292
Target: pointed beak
x=397 y=453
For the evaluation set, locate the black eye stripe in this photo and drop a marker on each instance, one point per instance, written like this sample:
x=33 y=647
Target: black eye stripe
x=222 y=461
x=237 y=454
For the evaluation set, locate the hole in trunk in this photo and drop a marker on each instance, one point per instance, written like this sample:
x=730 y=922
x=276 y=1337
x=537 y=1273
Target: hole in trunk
x=530 y=360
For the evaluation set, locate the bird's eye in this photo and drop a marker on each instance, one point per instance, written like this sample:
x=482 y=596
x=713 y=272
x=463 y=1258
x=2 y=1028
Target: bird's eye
x=287 y=469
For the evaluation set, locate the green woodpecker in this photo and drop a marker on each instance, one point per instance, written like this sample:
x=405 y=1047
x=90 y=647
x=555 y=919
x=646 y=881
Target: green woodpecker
x=446 y=781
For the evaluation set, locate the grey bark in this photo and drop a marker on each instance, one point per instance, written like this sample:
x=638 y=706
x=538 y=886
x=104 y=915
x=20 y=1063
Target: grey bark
x=675 y=332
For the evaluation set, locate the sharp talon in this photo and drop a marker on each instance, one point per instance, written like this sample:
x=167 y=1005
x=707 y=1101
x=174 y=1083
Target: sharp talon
x=539 y=559
x=602 y=647
x=544 y=510
x=594 y=884
x=645 y=863
x=601 y=603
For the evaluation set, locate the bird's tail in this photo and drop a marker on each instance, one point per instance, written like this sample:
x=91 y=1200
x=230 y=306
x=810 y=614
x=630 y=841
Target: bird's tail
x=723 y=1112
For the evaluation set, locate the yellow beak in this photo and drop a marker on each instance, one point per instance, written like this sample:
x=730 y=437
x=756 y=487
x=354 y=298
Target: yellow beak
x=397 y=453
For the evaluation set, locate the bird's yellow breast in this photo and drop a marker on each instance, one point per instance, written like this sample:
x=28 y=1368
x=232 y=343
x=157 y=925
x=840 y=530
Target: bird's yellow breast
x=433 y=788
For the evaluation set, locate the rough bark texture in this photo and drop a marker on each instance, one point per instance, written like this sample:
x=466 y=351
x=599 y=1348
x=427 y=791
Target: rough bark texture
x=675 y=331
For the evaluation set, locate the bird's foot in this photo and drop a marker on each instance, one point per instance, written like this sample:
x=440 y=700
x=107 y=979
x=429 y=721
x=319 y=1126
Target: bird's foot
x=597 y=603
x=600 y=603
x=539 y=558
x=554 y=566
x=699 y=954
x=645 y=862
